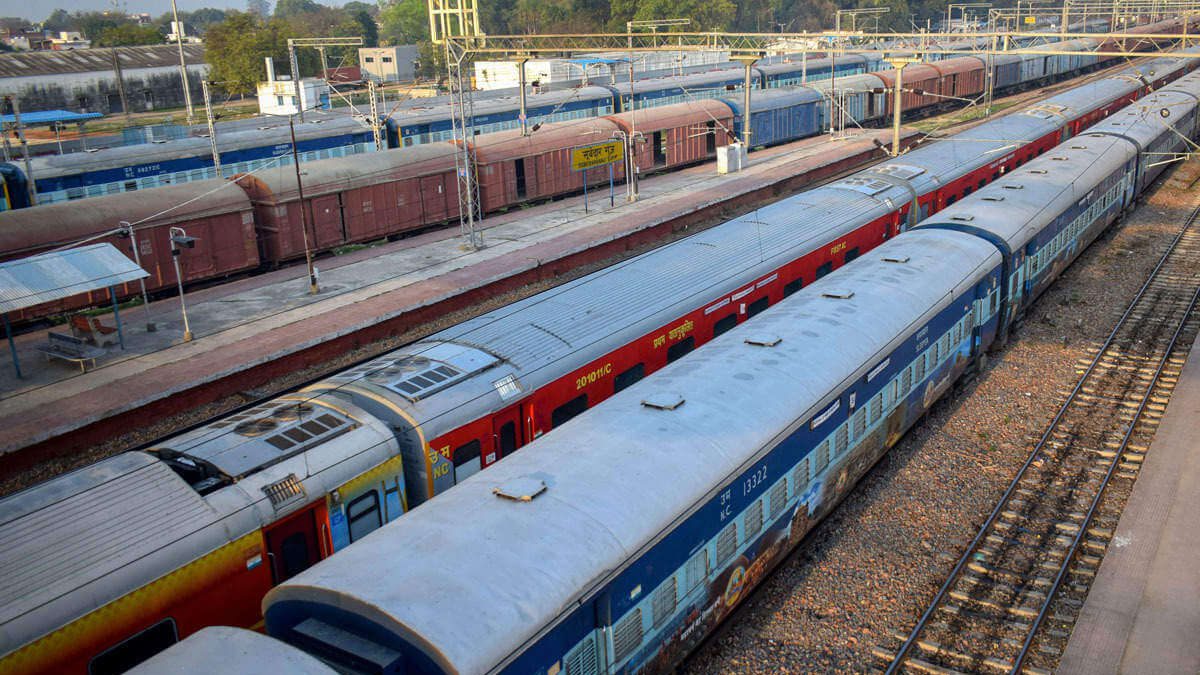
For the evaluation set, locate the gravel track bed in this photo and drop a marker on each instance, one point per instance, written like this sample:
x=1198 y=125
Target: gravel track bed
x=871 y=568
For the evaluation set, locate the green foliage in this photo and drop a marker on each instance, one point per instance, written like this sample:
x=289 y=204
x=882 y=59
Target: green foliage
x=58 y=21
x=92 y=24
x=705 y=14
x=261 y=8
x=354 y=7
x=235 y=50
x=285 y=9
x=129 y=35
x=403 y=22
x=361 y=23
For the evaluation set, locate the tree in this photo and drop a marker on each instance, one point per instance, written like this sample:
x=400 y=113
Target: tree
x=354 y=7
x=705 y=14
x=361 y=23
x=286 y=9
x=236 y=47
x=260 y=8
x=129 y=35
x=58 y=21
x=404 y=22
x=92 y=24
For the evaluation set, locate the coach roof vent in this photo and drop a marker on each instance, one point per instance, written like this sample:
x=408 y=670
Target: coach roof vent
x=838 y=293
x=1038 y=171
x=992 y=198
x=285 y=492
x=432 y=368
x=763 y=340
x=962 y=217
x=523 y=489
x=663 y=401
x=904 y=171
x=1013 y=186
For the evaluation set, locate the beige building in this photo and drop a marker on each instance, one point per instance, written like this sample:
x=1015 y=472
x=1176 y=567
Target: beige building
x=388 y=64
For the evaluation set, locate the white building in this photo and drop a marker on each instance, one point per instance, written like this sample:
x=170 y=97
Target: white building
x=599 y=67
x=388 y=64
x=177 y=31
x=68 y=40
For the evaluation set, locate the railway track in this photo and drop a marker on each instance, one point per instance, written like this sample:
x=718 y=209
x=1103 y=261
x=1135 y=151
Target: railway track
x=1011 y=600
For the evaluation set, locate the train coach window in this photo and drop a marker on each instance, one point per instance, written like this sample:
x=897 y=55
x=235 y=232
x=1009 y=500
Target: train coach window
x=679 y=349
x=792 y=287
x=568 y=410
x=363 y=514
x=757 y=306
x=724 y=324
x=824 y=269
x=626 y=379
x=131 y=652
x=851 y=254
x=466 y=460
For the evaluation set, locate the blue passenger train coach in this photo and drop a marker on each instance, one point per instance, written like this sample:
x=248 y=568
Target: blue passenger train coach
x=621 y=571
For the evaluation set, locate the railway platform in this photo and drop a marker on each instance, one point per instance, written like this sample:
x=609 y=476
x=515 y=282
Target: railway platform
x=1142 y=614
x=252 y=331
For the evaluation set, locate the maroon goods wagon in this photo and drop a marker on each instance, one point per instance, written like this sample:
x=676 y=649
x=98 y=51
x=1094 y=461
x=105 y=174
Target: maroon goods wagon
x=215 y=212
x=352 y=199
x=917 y=76
x=675 y=135
x=512 y=168
x=962 y=76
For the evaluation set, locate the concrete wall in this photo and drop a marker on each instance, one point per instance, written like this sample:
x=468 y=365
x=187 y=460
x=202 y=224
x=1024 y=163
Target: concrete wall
x=388 y=64
x=145 y=89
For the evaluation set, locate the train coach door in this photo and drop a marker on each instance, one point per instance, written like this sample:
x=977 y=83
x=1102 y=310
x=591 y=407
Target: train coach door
x=506 y=434
x=294 y=544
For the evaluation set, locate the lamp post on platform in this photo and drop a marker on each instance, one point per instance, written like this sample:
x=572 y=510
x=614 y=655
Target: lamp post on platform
x=180 y=238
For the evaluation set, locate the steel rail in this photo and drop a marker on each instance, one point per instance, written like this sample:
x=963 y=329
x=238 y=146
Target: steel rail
x=902 y=654
x=1112 y=468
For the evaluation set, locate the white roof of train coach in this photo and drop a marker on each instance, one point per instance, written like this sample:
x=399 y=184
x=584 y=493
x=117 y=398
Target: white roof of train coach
x=1019 y=205
x=606 y=498
x=546 y=336
x=81 y=540
x=231 y=651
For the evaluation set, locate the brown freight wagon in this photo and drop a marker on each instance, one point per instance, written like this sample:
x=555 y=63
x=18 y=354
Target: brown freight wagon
x=512 y=168
x=962 y=76
x=917 y=76
x=352 y=199
x=215 y=212
x=675 y=135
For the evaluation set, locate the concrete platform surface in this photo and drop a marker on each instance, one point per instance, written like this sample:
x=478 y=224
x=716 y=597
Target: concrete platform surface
x=264 y=319
x=1142 y=615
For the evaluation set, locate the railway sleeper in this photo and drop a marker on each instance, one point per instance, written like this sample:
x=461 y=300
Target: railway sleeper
x=1012 y=609
x=969 y=660
x=1021 y=522
x=1059 y=541
x=1010 y=574
x=1000 y=591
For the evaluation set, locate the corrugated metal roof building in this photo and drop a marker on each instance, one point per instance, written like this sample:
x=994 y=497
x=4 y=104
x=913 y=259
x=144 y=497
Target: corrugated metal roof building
x=85 y=80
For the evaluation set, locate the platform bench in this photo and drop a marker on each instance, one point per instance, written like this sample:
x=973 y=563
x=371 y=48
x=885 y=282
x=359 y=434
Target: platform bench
x=71 y=348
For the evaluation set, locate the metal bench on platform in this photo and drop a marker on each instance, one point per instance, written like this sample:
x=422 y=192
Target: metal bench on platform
x=71 y=348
